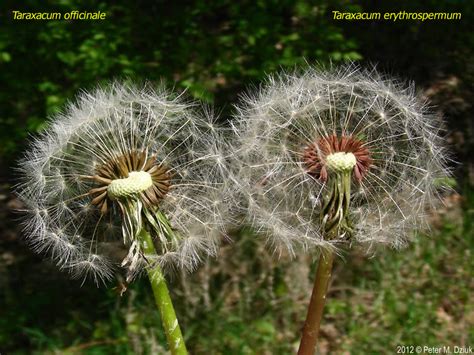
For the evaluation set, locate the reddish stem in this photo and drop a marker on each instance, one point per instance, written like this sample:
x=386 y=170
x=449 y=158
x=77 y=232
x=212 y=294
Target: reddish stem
x=309 y=338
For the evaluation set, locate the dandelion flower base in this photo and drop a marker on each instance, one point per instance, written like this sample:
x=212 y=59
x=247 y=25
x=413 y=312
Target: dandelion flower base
x=135 y=183
x=341 y=161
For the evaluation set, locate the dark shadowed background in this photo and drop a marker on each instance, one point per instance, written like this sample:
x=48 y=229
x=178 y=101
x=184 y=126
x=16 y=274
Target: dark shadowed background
x=245 y=302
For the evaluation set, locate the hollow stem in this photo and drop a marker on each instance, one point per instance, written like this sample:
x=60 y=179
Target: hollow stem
x=336 y=224
x=163 y=300
x=316 y=305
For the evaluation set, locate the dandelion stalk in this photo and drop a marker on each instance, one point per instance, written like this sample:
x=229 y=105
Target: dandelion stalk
x=163 y=299
x=335 y=224
x=316 y=305
x=125 y=192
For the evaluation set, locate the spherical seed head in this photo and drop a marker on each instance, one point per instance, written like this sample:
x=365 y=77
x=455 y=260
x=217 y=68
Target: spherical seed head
x=119 y=158
x=341 y=162
x=136 y=183
x=296 y=132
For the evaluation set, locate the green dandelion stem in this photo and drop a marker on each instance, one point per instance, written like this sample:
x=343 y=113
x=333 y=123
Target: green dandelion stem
x=163 y=299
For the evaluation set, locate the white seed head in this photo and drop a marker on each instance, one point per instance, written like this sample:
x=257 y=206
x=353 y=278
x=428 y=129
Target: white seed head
x=300 y=128
x=110 y=163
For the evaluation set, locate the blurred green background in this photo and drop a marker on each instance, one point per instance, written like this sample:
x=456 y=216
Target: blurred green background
x=244 y=302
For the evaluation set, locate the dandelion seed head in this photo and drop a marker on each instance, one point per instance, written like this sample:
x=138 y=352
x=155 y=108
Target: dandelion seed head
x=301 y=128
x=118 y=158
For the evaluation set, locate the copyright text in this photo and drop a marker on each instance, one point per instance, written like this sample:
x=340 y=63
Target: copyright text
x=419 y=349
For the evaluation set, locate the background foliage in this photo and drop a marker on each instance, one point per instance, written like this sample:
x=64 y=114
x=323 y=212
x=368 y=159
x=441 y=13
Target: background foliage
x=245 y=302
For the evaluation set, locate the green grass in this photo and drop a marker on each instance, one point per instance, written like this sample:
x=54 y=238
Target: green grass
x=246 y=302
